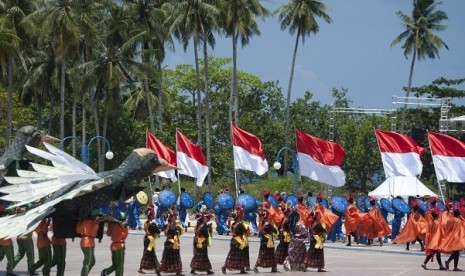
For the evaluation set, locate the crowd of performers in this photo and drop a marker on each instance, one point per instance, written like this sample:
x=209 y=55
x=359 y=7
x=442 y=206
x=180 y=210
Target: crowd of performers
x=299 y=229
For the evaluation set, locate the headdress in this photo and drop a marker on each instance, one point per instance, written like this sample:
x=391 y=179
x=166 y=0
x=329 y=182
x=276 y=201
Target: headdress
x=319 y=197
x=414 y=203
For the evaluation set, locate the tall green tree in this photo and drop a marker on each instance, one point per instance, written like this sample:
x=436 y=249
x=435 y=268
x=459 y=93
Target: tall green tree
x=149 y=17
x=237 y=20
x=11 y=14
x=419 y=38
x=300 y=17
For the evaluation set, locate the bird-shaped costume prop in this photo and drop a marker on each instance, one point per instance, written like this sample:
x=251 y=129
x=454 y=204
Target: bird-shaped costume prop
x=70 y=189
x=27 y=135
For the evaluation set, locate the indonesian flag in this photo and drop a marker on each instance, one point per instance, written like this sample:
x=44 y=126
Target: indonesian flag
x=320 y=160
x=190 y=159
x=400 y=154
x=248 y=152
x=162 y=151
x=448 y=157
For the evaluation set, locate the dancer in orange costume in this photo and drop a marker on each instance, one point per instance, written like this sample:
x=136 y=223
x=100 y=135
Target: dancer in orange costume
x=415 y=228
x=379 y=227
x=453 y=239
x=433 y=237
x=353 y=219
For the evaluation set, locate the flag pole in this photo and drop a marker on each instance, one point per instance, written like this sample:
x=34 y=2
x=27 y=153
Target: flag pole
x=177 y=171
x=441 y=185
x=236 y=184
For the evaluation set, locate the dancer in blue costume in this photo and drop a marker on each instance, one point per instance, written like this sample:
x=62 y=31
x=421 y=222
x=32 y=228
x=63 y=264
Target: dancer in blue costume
x=134 y=212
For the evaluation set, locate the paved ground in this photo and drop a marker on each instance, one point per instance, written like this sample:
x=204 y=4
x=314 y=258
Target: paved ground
x=389 y=259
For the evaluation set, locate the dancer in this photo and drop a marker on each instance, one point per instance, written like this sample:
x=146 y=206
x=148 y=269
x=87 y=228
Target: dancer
x=118 y=232
x=6 y=249
x=203 y=233
x=88 y=229
x=379 y=227
x=315 y=255
x=25 y=247
x=353 y=220
x=149 y=258
x=284 y=239
x=238 y=258
x=433 y=237
x=171 y=258
x=297 y=248
x=415 y=228
x=59 y=253
x=452 y=239
x=44 y=247
x=266 y=252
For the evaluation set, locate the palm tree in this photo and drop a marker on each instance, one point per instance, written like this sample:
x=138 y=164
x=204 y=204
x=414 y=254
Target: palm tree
x=148 y=17
x=238 y=21
x=11 y=33
x=60 y=24
x=419 y=36
x=192 y=19
x=299 y=16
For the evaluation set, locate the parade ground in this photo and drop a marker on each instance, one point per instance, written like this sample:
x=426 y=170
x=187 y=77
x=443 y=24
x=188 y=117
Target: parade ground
x=389 y=259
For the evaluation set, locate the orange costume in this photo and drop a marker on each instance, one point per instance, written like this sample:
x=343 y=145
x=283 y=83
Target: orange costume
x=88 y=229
x=327 y=217
x=354 y=218
x=379 y=227
x=416 y=227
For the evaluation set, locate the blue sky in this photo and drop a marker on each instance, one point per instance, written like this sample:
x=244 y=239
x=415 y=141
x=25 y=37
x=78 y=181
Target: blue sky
x=353 y=52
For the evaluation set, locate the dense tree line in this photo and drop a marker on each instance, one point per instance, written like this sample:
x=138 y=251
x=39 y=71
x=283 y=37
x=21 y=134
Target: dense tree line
x=88 y=68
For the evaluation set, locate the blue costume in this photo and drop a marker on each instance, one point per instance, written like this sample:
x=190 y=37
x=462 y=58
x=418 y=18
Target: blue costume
x=160 y=216
x=396 y=222
x=336 y=231
x=182 y=212
x=384 y=213
x=251 y=217
x=134 y=212
x=222 y=218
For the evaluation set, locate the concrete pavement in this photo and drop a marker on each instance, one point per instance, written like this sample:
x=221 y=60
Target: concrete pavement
x=390 y=259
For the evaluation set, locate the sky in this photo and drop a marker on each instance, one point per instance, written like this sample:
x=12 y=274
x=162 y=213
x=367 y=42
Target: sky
x=353 y=52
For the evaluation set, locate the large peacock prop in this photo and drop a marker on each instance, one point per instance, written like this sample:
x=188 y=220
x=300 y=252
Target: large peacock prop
x=69 y=189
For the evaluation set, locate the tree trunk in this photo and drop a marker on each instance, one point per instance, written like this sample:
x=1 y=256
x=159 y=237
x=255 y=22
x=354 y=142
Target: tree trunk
x=288 y=102
x=149 y=104
x=207 y=110
x=62 y=99
x=148 y=95
x=234 y=81
x=9 y=113
x=74 y=112
x=199 y=96
x=160 y=95
x=407 y=93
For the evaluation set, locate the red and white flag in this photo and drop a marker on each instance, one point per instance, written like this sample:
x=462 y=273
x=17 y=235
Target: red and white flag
x=162 y=151
x=400 y=154
x=248 y=152
x=319 y=159
x=448 y=157
x=190 y=159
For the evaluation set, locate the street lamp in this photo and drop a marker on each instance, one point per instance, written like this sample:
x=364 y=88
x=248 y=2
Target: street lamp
x=295 y=166
x=85 y=149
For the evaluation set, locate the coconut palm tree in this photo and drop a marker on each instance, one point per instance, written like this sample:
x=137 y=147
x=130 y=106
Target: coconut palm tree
x=237 y=20
x=11 y=14
x=193 y=20
x=61 y=24
x=149 y=17
x=419 y=37
x=300 y=17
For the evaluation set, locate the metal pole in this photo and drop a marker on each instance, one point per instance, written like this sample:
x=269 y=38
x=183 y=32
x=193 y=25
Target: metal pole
x=295 y=166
